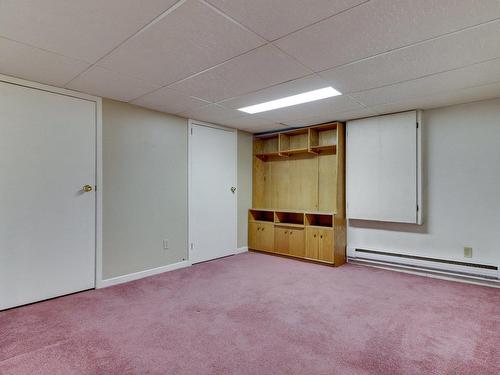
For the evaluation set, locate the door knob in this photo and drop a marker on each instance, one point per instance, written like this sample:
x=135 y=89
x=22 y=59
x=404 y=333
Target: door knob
x=233 y=189
x=87 y=188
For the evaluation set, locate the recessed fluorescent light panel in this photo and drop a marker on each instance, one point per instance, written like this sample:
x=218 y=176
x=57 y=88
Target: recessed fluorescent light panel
x=306 y=97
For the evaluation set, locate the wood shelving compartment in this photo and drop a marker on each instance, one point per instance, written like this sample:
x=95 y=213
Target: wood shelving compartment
x=299 y=194
x=266 y=146
x=323 y=138
x=261 y=215
x=289 y=218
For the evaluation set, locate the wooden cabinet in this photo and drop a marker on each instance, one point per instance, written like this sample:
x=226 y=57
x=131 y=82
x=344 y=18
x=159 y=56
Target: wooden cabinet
x=289 y=240
x=319 y=244
x=281 y=240
x=299 y=193
x=261 y=236
x=297 y=242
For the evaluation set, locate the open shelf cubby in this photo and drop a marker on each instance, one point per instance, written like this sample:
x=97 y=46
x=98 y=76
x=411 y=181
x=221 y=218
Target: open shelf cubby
x=267 y=146
x=293 y=218
x=319 y=220
x=261 y=215
x=323 y=138
x=293 y=142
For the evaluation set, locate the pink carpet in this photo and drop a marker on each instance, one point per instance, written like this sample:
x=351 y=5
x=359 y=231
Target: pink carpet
x=259 y=314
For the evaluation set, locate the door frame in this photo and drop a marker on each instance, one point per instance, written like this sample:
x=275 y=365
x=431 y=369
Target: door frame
x=98 y=157
x=192 y=122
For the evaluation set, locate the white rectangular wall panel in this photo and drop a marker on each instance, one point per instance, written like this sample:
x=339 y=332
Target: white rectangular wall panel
x=383 y=168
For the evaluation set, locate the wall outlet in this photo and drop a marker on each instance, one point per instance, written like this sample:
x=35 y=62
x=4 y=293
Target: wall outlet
x=165 y=244
x=467 y=252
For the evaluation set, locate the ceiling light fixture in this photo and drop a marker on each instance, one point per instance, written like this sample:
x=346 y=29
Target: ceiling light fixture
x=306 y=97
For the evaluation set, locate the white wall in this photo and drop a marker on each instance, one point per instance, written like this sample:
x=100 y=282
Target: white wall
x=145 y=166
x=245 y=158
x=461 y=190
x=145 y=189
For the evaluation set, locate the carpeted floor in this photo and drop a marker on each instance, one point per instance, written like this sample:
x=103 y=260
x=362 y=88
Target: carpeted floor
x=259 y=314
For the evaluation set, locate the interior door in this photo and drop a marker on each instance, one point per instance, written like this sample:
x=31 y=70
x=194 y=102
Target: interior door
x=212 y=201
x=47 y=221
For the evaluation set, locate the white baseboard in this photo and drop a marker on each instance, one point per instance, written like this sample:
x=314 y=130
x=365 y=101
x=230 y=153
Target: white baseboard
x=424 y=264
x=240 y=250
x=141 y=274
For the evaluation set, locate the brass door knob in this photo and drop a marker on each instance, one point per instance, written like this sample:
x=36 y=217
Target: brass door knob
x=87 y=188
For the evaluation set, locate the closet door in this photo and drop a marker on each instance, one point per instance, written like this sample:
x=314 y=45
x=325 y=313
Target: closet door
x=47 y=213
x=212 y=192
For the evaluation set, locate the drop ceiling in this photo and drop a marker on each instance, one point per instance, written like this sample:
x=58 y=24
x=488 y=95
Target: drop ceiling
x=203 y=59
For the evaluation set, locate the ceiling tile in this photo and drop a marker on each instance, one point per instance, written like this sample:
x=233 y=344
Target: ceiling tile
x=191 y=38
x=437 y=55
x=262 y=67
x=102 y=82
x=361 y=112
x=382 y=25
x=212 y=113
x=253 y=124
x=294 y=87
x=170 y=101
x=327 y=108
x=34 y=64
x=471 y=94
x=474 y=75
x=263 y=128
x=274 y=19
x=80 y=29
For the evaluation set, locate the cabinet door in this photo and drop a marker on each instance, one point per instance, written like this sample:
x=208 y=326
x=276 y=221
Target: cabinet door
x=281 y=240
x=312 y=243
x=296 y=243
x=325 y=249
x=266 y=237
x=253 y=236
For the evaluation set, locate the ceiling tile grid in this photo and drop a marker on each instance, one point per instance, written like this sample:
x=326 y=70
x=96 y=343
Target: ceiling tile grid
x=80 y=29
x=474 y=75
x=31 y=63
x=277 y=18
x=103 y=82
x=170 y=101
x=261 y=67
x=382 y=25
x=452 y=51
x=190 y=39
x=204 y=59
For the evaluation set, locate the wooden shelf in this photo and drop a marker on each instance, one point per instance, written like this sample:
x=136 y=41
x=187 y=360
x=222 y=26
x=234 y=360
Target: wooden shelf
x=303 y=150
x=268 y=154
x=299 y=183
x=329 y=148
x=289 y=225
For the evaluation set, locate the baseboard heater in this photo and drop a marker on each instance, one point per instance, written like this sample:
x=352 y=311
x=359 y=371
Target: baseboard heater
x=429 y=264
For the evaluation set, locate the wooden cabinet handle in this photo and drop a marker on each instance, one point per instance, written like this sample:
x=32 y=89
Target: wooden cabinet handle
x=314 y=236
x=321 y=236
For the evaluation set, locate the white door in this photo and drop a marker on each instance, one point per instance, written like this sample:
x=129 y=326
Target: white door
x=47 y=222
x=212 y=198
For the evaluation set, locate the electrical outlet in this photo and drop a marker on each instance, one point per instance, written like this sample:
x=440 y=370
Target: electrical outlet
x=165 y=244
x=467 y=252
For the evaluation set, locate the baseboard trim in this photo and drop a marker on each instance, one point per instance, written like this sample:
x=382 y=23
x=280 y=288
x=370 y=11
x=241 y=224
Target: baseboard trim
x=141 y=274
x=426 y=264
x=240 y=250
x=443 y=275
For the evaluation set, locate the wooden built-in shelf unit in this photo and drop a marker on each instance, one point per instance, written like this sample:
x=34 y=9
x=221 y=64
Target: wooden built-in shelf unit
x=299 y=194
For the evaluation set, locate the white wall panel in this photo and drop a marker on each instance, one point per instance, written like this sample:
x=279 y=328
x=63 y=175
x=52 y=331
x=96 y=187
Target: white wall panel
x=382 y=168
